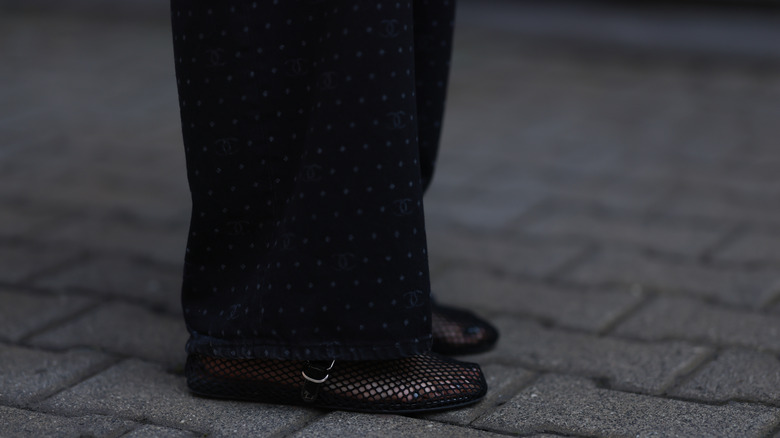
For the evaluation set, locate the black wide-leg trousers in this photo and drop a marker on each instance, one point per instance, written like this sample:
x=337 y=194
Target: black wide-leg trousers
x=310 y=130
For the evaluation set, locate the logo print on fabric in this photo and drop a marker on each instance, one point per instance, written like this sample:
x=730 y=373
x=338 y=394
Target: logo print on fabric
x=286 y=241
x=236 y=228
x=414 y=299
x=397 y=119
x=216 y=57
x=296 y=67
x=311 y=173
x=389 y=29
x=327 y=80
x=403 y=207
x=344 y=261
x=233 y=312
x=226 y=146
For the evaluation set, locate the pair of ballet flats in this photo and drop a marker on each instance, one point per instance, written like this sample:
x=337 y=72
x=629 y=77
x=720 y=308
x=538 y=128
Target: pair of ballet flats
x=421 y=383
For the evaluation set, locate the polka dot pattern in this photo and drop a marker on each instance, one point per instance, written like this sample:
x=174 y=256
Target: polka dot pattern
x=310 y=131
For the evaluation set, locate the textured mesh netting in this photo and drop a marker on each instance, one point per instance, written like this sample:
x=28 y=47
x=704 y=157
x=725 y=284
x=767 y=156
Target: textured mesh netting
x=422 y=382
x=460 y=332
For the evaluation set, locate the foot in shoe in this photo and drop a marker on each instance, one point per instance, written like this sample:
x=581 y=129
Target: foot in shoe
x=419 y=383
x=457 y=331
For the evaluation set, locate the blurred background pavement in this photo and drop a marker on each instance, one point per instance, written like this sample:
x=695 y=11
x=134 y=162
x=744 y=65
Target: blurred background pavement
x=608 y=192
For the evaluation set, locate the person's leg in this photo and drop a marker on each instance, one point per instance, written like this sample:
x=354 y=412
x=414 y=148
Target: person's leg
x=307 y=239
x=434 y=23
x=307 y=235
x=455 y=331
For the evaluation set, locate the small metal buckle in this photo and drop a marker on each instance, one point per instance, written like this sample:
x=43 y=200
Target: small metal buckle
x=311 y=387
x=320 y=380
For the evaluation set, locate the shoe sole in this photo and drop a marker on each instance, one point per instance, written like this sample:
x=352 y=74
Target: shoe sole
x=316 y=405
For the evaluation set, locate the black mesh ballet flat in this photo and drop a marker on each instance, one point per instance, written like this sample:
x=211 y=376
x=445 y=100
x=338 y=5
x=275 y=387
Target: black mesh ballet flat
x=422 y=383
x=457 y=332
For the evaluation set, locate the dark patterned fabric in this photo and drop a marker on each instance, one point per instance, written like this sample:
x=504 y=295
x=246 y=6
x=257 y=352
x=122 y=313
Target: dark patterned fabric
x=310 y=130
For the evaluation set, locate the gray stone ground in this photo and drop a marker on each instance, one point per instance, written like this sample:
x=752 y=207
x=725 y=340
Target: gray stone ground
x=613 y=203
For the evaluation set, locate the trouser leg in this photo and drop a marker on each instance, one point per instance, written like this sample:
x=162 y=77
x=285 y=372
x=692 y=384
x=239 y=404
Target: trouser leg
x=300 y=129
x=434 y=23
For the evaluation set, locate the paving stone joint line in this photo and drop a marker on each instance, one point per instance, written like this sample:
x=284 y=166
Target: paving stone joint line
x=610 y=326
x=575 y=261
x=63 y=320
x=65 y=264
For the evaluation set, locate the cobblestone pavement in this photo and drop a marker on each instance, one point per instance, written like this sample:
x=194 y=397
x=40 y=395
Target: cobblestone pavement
x=617 y=213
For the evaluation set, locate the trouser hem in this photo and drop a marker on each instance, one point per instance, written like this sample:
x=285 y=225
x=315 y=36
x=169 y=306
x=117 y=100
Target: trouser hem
x=257 y=349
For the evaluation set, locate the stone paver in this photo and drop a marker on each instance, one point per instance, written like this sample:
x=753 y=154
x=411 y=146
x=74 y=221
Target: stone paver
x=16 y=220
x=626 y=231
x=752 y=248
x=503 y=383
x=119 y=277
x=381 y=426
x=144 y=392
x=749 y=288
x=111 y=234
x=571 y=405
x=697 y=201
x=548 y=435
x=609 y=197
x=634 y=366
x=20 y=261
x=736 y=374
x=18 y=423
x=583 y=309
x=23 y=313
x=123 y=329
x=148 y=431
x=480 y=210
x=28 y=374
x=529 y=258
x=694 y=320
